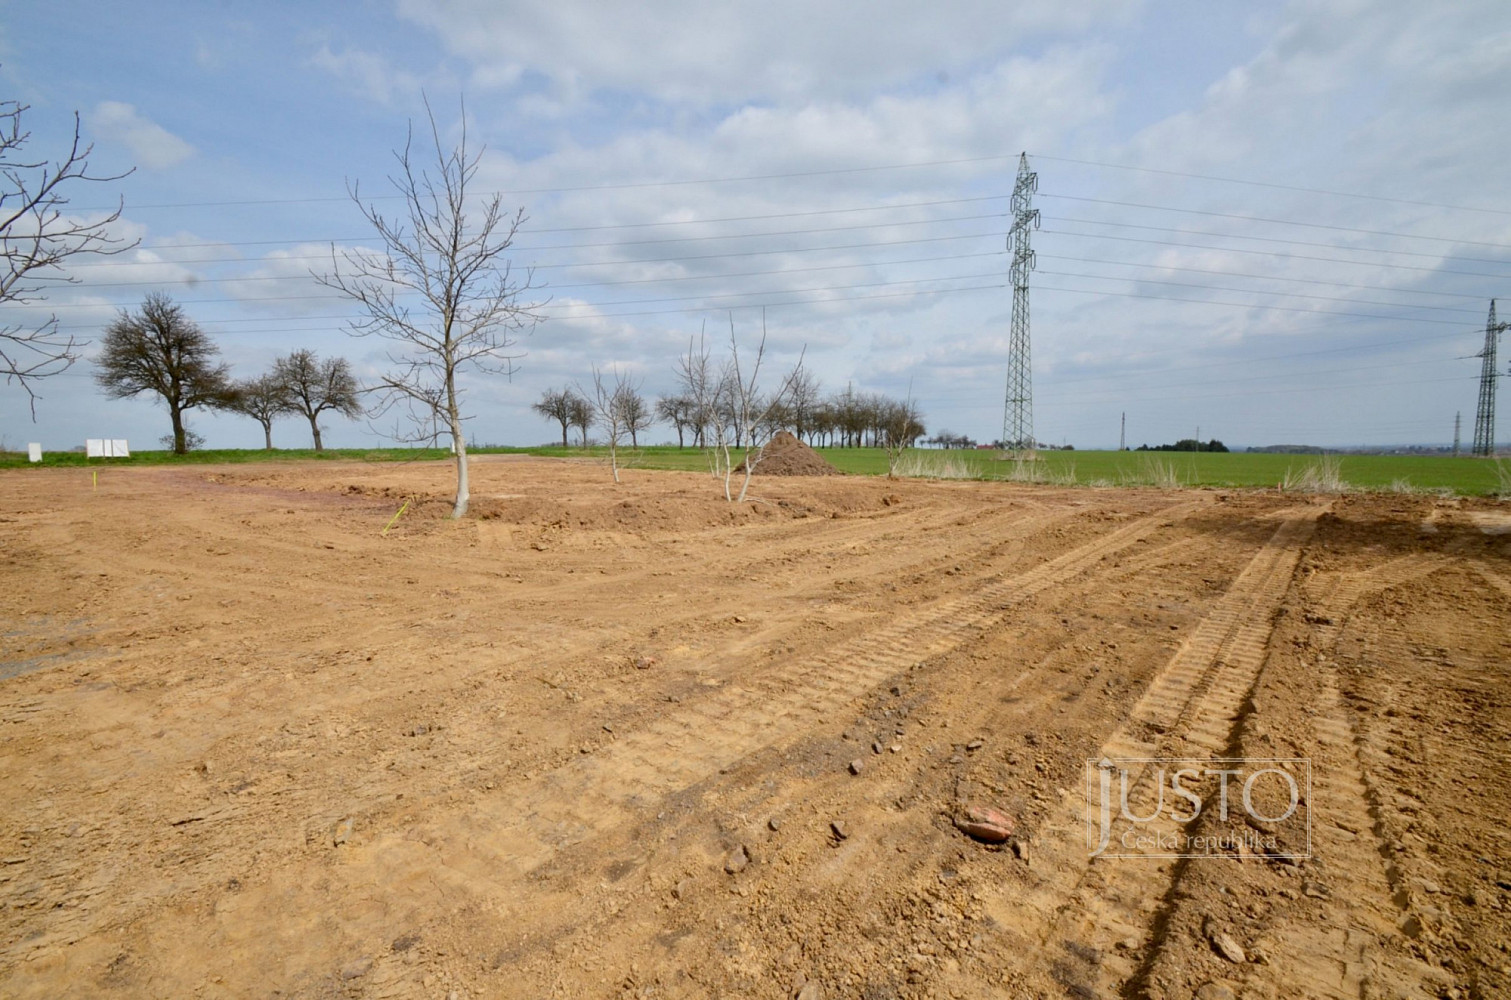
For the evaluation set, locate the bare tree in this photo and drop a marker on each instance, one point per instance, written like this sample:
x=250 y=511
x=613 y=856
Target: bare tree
x=637 y=416
x=739 y=412
x=162 y=350
x=37 y=239
x=557 y=404
x=442 y=289
x=264 y=399
x=582 y=416
x=700 y=388
x=901 y=425
x=677 y=411
x=801 y=411
x=613 y=400
x=314 y=386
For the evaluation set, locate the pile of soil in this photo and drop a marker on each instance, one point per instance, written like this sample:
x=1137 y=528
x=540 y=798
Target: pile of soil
x=785 y=455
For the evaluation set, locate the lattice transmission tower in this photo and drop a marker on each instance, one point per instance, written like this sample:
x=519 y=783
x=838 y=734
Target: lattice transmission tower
x=1018 y=413
x=1484 y=416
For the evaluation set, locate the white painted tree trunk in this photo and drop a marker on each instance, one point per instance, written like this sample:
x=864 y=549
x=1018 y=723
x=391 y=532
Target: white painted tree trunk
x=459 y=443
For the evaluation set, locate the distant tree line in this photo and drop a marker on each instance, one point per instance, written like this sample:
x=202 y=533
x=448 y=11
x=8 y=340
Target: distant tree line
x=949 y=439
x=847 y=419
x=160 y=351
x=1186 y=444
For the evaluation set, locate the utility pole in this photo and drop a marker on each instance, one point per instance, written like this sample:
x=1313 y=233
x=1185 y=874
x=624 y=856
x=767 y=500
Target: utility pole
x=1456 y=418
x=1123 y=432
x=1018 y=412
x=1484 y=416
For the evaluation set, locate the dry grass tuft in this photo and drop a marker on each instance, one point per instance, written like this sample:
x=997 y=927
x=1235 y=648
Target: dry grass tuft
x=1160 y=472
x=934 y=465
x=1322 y=476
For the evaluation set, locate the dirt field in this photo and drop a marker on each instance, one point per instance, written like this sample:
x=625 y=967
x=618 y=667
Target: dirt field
x=599 y=741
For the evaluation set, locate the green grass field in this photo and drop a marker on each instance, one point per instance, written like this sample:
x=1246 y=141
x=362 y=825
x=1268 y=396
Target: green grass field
x=1396 y=473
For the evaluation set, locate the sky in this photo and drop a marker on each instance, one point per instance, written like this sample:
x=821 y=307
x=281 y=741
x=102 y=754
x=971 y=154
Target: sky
x=1265 y=223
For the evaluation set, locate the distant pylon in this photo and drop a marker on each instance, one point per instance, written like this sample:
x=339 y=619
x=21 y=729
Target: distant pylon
x=1123 y=432
x=1457 y=417
x=1018 y=413
x=1484 y=417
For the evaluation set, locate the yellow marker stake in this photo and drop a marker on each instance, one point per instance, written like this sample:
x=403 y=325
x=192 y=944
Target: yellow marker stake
x=96 y=475
x=396 y=517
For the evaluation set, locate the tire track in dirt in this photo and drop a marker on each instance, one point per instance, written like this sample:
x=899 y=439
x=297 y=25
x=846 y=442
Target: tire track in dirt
x=1082 y=908
x=1347 y=957
x=1340 y=961
x=1342 y=958
x=1493 y=578
x=581 y=796
x=676 y=751
x=524 y=826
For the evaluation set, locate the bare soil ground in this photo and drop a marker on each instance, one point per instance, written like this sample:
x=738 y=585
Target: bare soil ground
x=598 y=741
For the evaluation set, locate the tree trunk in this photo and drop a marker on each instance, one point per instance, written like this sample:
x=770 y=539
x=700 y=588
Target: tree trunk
x=680 y=443
x=563 y=433
x=267 y=432
x=634 y=440
x=180 y=446
x=460 y=444
x=315 y=427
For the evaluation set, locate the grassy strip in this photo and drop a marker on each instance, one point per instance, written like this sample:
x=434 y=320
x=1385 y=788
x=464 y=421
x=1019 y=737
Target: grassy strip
x=1390 y=473
x=222 y=456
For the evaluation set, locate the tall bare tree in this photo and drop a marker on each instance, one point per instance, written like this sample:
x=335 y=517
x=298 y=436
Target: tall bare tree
x=314 y=387
x=441 y=289
x=613 y=399
x=162 y=350
x=264 y=399
x=739 y=410
x=37 y=239
x=556 y=404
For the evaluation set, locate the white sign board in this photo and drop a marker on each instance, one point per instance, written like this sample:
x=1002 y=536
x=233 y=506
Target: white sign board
x=106 y=448
x=34 y=451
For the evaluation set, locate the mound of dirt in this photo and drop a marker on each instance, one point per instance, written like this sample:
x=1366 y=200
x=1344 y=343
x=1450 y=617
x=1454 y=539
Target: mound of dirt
x=785 y=455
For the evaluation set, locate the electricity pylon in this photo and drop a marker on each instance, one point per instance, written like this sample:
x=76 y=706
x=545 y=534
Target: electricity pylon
x=1018 y=413
x=1484 y=417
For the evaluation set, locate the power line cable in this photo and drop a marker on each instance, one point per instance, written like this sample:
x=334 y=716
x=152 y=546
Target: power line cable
x=591 y=246
x=568 y=189
x=1244 y=305
x=1297 y=256
x=570 y=229
x=1336 y=387
x=1272 y=186
x=585 y=305
x=1278 y=222
x=583 y=264
x=1261 y=277
x=1123 y=374
x=1251 y=291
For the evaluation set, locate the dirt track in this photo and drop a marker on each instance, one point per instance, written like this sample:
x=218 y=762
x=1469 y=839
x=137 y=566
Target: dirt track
x=250 y=746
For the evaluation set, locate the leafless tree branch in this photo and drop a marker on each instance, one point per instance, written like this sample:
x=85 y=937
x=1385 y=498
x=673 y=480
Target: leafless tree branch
x=441 y=288
x=37 y=239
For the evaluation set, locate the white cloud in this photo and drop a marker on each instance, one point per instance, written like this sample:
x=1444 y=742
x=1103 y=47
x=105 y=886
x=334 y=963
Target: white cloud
x=367 y=74
x=283 y=282
x=739 y=50
x=153 y=146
